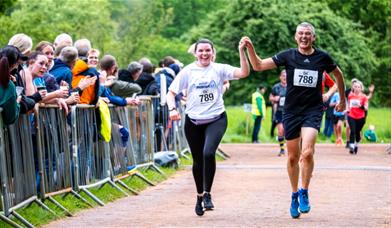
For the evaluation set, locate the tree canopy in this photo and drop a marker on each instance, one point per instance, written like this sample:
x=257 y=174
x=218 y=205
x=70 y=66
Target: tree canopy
x=271 y=25
x=355 y=33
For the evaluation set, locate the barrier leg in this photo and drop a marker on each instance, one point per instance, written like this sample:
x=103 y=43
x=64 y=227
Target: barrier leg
x=46 y=207
x=154 y=167
x=118 y=188
x=96 y=199
x=77 y=195
x=184 y=152
x=127 y=187
x=9 y=221
x=222 y=154
x=142 y=177
x=23 y=220
x=51 y=199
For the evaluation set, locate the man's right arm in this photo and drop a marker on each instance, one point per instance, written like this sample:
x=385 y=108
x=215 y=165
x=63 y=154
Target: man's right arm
x=257 y=63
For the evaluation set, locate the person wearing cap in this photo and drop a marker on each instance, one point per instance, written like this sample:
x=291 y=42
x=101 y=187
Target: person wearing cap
x=9 y=57
x=258 y=110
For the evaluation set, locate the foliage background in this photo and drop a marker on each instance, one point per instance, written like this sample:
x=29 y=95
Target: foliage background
x=355 y=33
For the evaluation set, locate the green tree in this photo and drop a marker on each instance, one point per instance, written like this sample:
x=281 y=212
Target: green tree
x=188 y=14
x=271 y=25
x=44 y=20
x=374 y=16
x=6 y=5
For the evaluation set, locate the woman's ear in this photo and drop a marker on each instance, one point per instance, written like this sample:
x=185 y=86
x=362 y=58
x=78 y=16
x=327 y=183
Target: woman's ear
x=30 y=62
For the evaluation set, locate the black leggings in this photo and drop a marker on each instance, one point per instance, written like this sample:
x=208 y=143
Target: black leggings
x=356 y=126
x=203 y=142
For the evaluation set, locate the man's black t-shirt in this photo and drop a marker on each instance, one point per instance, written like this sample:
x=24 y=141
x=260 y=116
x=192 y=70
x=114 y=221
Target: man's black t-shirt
x=304 y=78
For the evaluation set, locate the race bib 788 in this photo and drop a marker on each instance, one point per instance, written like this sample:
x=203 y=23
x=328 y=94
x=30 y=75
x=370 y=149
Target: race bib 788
x=305 y=78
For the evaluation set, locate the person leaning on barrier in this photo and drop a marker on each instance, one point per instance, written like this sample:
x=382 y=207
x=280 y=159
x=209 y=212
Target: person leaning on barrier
x=93 y=57
x=206 y=119
x=109 y=68
x=303 y=107
x=9 y=100
x=81 y=71
x=62 y=68
x=135 y=74
x=50 y=81
x=147 y=78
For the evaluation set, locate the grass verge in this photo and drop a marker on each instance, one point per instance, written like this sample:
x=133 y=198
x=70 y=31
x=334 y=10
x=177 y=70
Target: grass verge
x=38 y=216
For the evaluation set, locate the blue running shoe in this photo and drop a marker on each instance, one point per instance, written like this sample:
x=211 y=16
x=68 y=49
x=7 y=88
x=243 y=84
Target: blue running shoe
x=295 y=205
x=304 y=201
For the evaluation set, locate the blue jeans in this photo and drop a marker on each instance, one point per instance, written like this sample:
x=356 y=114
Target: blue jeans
x=328 y=127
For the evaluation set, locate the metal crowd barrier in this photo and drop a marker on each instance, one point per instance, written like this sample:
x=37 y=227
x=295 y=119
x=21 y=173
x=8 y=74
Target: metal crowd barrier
x=69 y=159
x=179 y=134
x=91 y=156
x=122 y=152
x=18 y=168
x=54 y=154
x=141 y=123
x=3 y=190
x=172 y=135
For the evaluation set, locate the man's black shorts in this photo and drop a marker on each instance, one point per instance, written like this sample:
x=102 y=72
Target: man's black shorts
x=294 y=122
x=278 y=117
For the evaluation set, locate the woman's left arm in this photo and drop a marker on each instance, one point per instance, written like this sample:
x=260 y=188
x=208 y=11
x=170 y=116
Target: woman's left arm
x=244 y=69
x=366 y=101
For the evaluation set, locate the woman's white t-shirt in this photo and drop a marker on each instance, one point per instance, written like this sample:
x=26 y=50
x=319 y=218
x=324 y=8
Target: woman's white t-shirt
x=204 y=86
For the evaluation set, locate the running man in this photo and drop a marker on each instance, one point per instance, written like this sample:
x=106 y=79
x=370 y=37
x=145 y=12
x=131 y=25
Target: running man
x=277 y=97
x=206 y=119
x=303 y=112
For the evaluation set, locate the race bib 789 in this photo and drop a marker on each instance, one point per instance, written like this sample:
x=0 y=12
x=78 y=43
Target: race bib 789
x=306 y=78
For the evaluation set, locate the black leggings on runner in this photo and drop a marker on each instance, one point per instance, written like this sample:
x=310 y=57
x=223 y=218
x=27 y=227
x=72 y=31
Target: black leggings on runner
x=203 y=142
x=356 y=126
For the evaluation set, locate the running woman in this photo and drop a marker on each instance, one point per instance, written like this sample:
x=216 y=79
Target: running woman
x=303 y=105
x=206 y=120
x=357 y=107
x=277 y=97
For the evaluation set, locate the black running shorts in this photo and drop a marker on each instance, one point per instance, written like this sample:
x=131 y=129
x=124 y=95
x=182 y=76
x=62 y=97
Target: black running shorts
x=294 y=122
x=278 y=117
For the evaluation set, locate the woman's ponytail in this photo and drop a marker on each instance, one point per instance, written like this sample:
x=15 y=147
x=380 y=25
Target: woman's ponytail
x=4 y=71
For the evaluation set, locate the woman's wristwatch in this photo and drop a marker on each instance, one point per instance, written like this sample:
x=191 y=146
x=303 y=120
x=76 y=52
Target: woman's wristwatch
x=172 y=109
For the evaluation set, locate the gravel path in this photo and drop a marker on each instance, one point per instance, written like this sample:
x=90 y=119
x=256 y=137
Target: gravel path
x=252 y=189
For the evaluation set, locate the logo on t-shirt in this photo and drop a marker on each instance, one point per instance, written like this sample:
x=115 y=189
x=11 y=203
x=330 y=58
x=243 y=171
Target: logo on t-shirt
x=305 y=78
x=306 y=60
